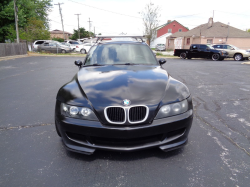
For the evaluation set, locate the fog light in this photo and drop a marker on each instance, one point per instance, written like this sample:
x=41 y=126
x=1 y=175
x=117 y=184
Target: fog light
x=73 y=110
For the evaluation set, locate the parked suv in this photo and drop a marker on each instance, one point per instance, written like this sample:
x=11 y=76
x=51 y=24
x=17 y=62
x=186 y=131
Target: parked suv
x=37 y=43
x=234 y=52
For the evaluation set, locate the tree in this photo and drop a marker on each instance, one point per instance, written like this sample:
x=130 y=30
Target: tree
x=248 y=30
x=35 y=30
x=26 y=9
x=83 y=34
x=58 y=39
x=150 y=16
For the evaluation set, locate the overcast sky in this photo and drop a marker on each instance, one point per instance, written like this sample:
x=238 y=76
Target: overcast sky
x=113 y=17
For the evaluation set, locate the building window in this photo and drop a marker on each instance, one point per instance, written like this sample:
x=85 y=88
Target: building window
x=180 y=30
x=169 y=30
x=188 y=41
x=209 y=41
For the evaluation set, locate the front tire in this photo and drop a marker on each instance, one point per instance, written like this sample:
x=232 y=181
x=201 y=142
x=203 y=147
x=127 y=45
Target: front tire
x=63 y=51
x=238 y=57
x=215 y=57
x=183 y=55
x=83 y=51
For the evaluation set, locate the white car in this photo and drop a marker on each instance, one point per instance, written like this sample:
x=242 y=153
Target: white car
x=84 y=48
x=72 y=46
x=37 y=43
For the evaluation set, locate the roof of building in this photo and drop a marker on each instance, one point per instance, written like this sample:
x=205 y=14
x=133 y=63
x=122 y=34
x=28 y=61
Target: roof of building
x=218 y=30
x=161 y=26
x=59 y=32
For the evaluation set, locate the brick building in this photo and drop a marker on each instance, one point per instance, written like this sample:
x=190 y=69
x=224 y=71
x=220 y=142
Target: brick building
x=209 y=33
x=59 y=34
x=166 y=30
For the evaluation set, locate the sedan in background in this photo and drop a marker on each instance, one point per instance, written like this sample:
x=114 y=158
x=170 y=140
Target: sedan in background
x=160 y=47
x=84 y=49
x=54 y=47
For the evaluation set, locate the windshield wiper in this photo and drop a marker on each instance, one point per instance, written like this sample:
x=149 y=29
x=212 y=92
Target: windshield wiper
x=95 y=65
x=126 y=64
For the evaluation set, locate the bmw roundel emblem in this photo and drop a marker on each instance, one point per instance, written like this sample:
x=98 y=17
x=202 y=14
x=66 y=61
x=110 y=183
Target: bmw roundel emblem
x=126 y=102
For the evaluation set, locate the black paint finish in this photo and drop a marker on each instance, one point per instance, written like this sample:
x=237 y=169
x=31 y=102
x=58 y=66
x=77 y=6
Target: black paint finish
x=97 y=87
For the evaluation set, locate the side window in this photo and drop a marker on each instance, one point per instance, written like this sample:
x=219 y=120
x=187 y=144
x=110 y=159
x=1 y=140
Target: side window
x=169 y=30
x=203 y=46
x=46 y=44
x=180 y=30
x=194 y=47
x=228 y=47
x=39 y=42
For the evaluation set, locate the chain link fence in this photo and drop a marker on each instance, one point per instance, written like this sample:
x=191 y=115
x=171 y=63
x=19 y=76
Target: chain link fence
x=11 y=49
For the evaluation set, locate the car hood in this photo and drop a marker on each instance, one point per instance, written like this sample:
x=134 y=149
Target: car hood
x=110 y=85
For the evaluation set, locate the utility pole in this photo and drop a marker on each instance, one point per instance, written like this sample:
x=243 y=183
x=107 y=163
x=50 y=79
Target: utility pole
x=227 y=31
x=61 y=18
x=16 y=21
x=89 y=24
x=78 y=26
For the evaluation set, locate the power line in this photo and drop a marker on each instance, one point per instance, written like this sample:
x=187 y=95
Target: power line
x=106 y=10
x=61 y=18
x=232 y=13
x=60 y=23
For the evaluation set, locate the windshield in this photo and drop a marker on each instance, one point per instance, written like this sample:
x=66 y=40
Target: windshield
x=210 y=47
x=236 y=48
x=115 y=54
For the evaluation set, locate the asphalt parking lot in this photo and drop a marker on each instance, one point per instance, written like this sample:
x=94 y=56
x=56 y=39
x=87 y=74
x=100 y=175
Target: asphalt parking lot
x=218 y=152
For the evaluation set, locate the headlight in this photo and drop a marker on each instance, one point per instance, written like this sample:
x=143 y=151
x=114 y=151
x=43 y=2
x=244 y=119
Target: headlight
x=78 y=112
x=172 y=109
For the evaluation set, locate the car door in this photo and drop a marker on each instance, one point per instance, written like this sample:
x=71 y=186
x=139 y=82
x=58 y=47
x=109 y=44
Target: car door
x=194 y=51
x=203 y=51
x=44 y=47
x=230 y=50
x=87 y=47
x=53 y=48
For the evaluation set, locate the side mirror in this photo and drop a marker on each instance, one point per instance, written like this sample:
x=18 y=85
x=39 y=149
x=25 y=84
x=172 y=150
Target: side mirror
x=78 y=63
x=162 y=61
x=232 y=48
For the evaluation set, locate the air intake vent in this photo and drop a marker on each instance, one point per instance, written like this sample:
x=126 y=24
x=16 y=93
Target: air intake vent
x=137 y=114
x=115 y=115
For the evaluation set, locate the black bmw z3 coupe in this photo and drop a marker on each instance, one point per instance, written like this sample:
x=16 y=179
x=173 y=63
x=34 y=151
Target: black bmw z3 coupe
x=122 y=99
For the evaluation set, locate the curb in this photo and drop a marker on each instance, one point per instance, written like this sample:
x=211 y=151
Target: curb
x=12 y=57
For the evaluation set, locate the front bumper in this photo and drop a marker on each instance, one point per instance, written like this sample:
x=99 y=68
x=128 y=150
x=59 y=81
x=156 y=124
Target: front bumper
x=86 y=136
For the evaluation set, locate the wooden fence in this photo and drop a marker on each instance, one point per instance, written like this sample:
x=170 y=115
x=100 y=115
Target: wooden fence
x=11 y=49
